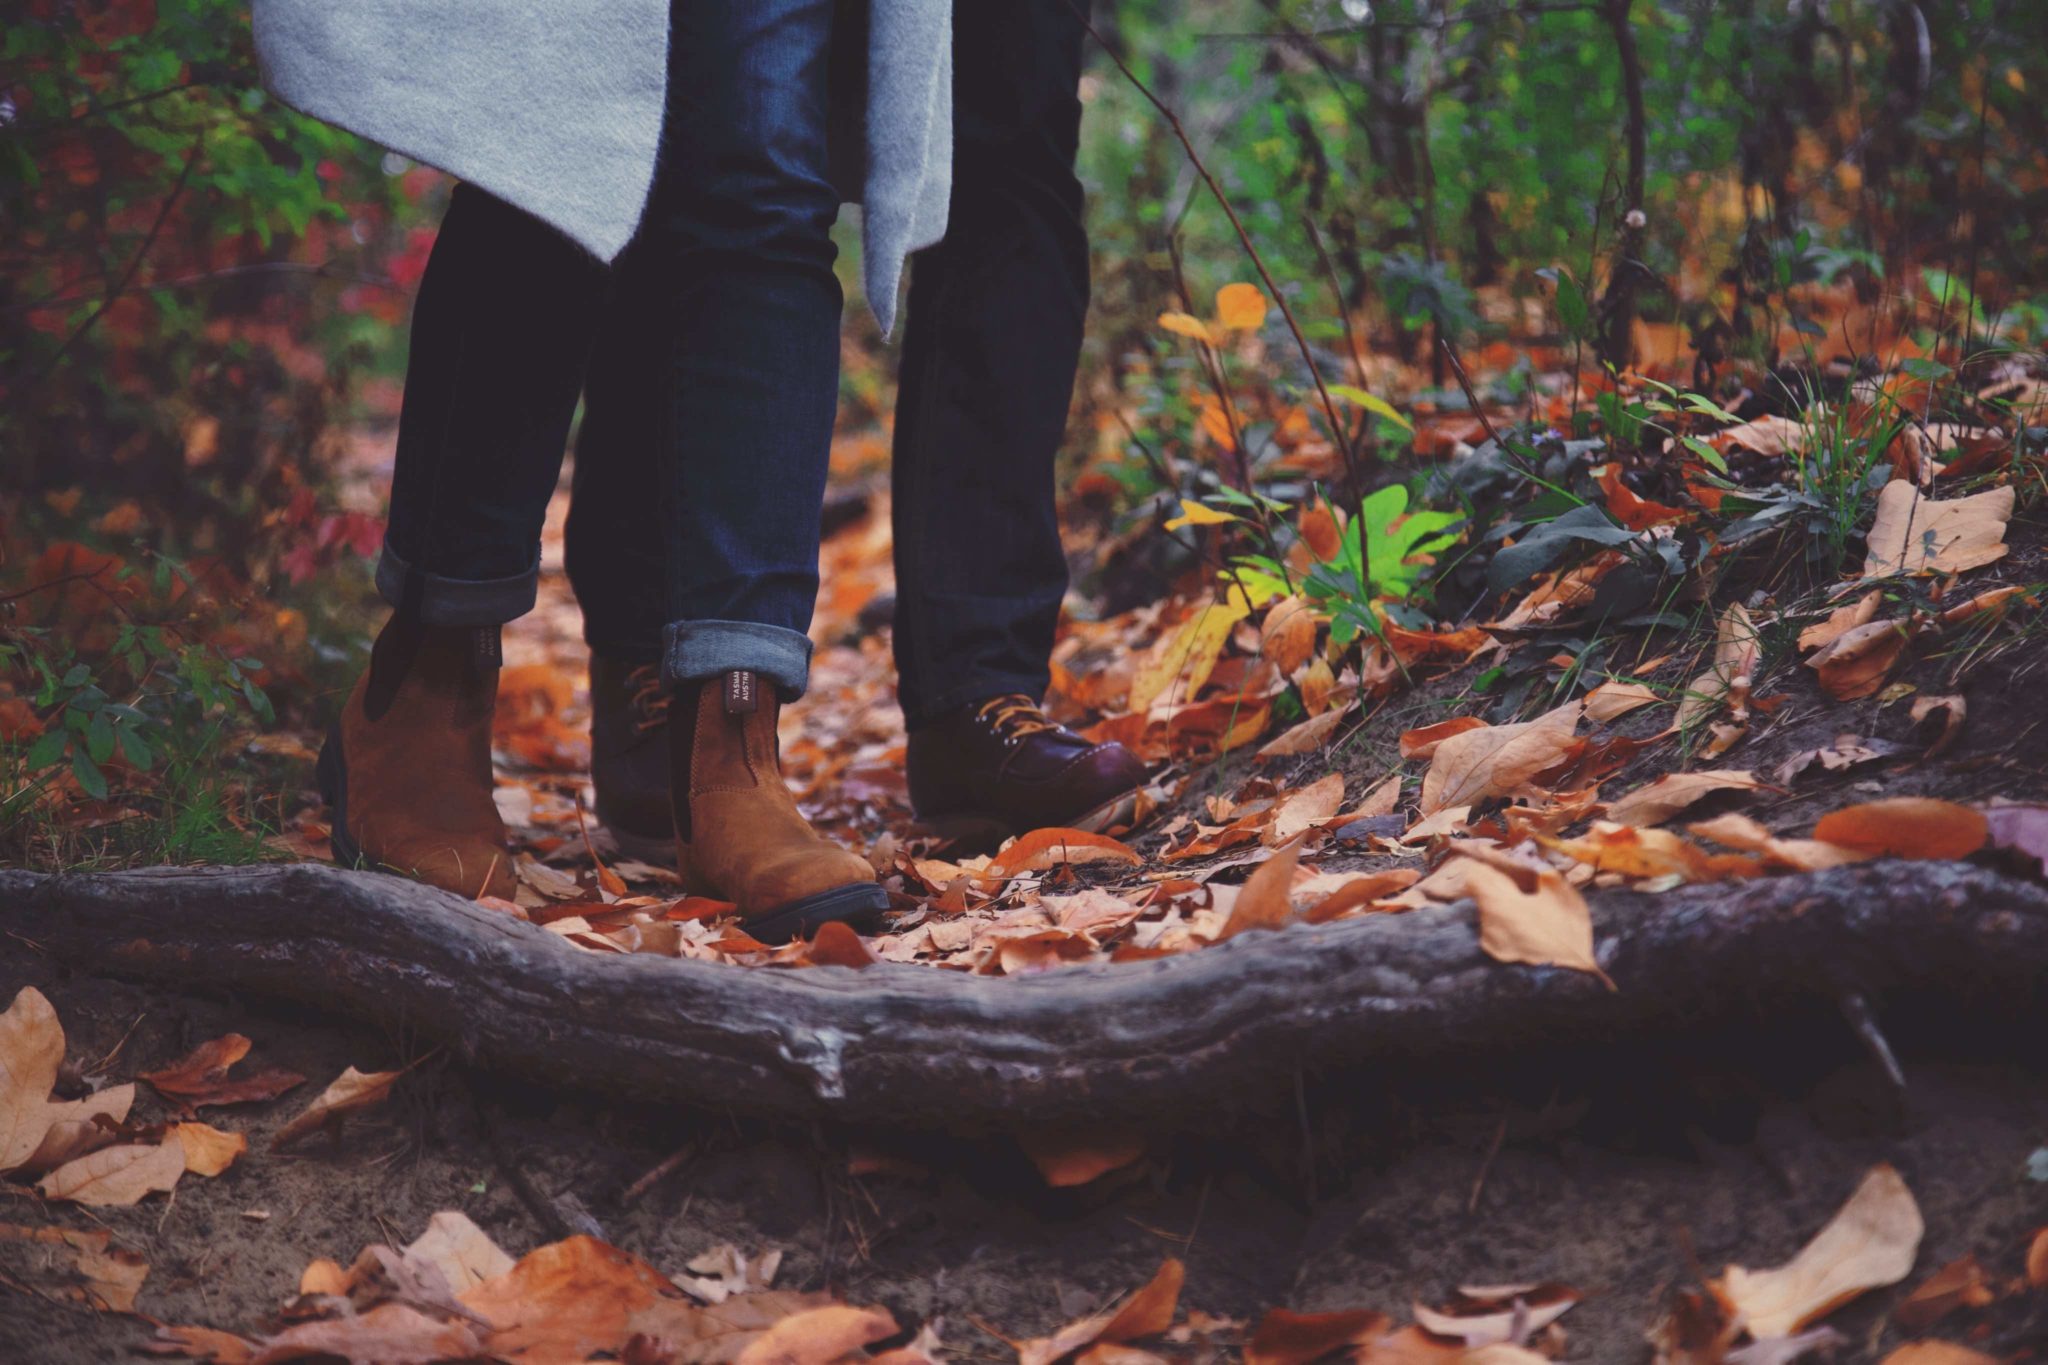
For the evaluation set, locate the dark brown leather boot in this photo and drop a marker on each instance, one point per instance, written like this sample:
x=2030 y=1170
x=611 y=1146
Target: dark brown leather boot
x=629 y=757
x=1000 y=768
x=739 y=835
x=406 y=770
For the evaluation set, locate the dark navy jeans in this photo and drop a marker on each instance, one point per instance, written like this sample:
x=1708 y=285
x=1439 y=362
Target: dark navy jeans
x=736 y=375
x=993 y=337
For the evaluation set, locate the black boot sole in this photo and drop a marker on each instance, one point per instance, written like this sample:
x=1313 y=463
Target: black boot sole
x=857 y=904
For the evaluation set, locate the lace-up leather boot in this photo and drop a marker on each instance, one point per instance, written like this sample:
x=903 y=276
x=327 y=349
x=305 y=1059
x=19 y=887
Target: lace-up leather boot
x=1000 y=767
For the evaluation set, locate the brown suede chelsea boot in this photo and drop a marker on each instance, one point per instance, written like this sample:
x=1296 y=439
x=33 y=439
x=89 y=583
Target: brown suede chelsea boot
x=739 y=835
x=629 y=757
x=406 y=770
x=999 y=768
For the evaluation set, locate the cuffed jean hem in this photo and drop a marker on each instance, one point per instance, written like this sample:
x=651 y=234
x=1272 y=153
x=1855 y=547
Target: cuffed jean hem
x=696 y=650
x=460 y=601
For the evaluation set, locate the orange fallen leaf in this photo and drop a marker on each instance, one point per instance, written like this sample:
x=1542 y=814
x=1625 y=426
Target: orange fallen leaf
x=208 y=1150
x=1841 y=620
x=1047 y=848
x=1793 y=855
x=1906 y=827
x=1913 y=533
x=1305 y=809
x=117 y=1176
x=200 y=1077
x=75 y=1127
x=1287 y=635
x=31 y=1051
x=1959 y=1284
x=1856 y=663
x=819 y=1336
x=1673 y=792
x=1613 y=700
x=1938 y=1353
x=82 y=1265
x=1539 y=919
x=1288 y=1338
x=1068 y=1157
x=1305 y=738
x=1423 y=742
x=351 y=1092
x=1148 y=1312
x=1265 y=901
x=2037 y=1261
x=566 y=1301
x=1869 y=1243
x=1737 y=650
x=837 y=945
x=1499 y=760
x=390 y=1332
x=1241 y=307
x=1633 y=511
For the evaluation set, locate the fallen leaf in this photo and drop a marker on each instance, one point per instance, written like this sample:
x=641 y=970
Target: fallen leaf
x=1499 y=760
x=1766 y=435
x=1241 y=307
x=1938 y=1353
x=716 y=1334
x=1147 y=1312
x=566 y=1300
x=1288 y=1338
x=1959 y=1284
x=31 y=1051
x=2037 y=1261
x=351 y=1092
x=1305 y=738
x=1540 y=920
x=1184 y=661
x=389 y=1334
x=114 y=1176
x=1906 y=827
x=2021 y=829
x=74 y=1128
x=1066 y=1157
x=1287 y=635
x=1673 y=792
x=1423 y=742
x=1266 y=901
x=1917 y=534
x=1305 y=809
x=1792 y=855
x=1842 y=620
x=837 y=945
x=1048 y=848
x=1952 y=710
x=1613 y=700
x=201 y=1343
x=80 y=1265
x=1870 y=1243
x=201 y=1078
x=1483 y=1323
x=1633 y=511
x=209 y=1151
x=1737 y=649
x=819 y=1336
x=1856 y=663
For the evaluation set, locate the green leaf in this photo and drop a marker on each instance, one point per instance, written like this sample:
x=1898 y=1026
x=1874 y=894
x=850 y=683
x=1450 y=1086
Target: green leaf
x=1920 y=367
x=47 y=751
x=99 y=738
x=1372 y=403
x=136 y=749
x=1711 y=456
x=89 y=775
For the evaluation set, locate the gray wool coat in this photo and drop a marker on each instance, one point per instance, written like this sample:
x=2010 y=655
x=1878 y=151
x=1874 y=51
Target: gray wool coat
x=556 y=105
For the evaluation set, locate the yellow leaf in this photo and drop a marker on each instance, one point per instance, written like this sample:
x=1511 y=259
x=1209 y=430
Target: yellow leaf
x=1193 y=513
x=1378 y=406
x=1870 y=1243
x=1187 y=325
x=1183 y=664
x=1240 y=307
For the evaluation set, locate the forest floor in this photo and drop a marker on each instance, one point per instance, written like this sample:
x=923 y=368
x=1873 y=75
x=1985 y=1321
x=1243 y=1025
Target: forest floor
x=1621 y=1175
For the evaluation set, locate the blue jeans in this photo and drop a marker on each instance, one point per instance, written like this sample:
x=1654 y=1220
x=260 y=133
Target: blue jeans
x=739 y=378
x=992 y=341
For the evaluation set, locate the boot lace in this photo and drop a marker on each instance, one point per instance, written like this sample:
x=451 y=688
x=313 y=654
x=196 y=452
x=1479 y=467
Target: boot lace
x=649 y=698
x=1014 y=717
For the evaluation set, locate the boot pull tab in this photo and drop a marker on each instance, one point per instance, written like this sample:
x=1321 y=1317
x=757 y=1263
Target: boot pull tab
x=488 y=648
x=742 y=692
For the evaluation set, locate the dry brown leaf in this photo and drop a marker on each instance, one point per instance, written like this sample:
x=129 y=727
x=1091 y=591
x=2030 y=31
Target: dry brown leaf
x=1266 y=901
x=1959 y=1284
x=1306 y=808
x=837 y=945
x=819 y=1336
x=1842 y=620
x=1938 y=1353
x=1359 y=891
x=1792 y=855
x=1918 y=534
x=566 y=1301
x=73 y=1127
x=1066 y=1158
x=1042 y=849
x=1499 y=760
x=1951 y=708
x=31 y=1051
x=716 y=1334
x=1868 y=1244
x=351 y=1092
x=1673 y=792
x=114 y=1176
x=2037 y=1261
x=203 y=1344
x=1305 y=738
x=1767 y=435
x=1423 y=742
x=322 y=1276
x=1287 y=636
x=1148 y=1312
x=208 y=1150
x=80 y=1265
x=1288 y=1338
x=1906 y=827
x=1630 y=852
x=1488 y=1325
x=1737 y=649
x=201 y=1078
x=1539 y=919
x=1613 y=700
x=389 y=1334
x=1856 y=663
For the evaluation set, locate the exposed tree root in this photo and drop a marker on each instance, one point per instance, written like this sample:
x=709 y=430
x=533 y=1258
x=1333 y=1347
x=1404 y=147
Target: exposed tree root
x=900 y=1045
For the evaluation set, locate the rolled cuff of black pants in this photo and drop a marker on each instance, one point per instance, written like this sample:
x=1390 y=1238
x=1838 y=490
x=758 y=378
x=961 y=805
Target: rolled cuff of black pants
x=696 y=650
x=459 y=601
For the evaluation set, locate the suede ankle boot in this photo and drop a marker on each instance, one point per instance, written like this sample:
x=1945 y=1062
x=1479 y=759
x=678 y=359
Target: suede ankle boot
x=739 y=835
x=406 y=770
